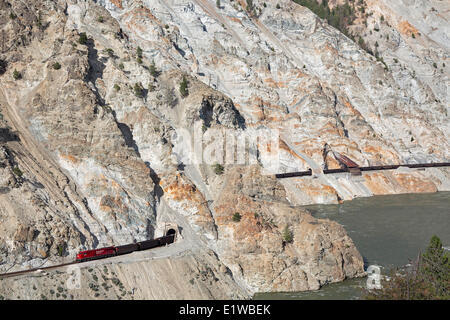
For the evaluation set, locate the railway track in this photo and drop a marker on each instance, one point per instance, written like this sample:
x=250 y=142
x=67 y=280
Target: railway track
x=17 y=273
x=162 y=241
x=369 y=168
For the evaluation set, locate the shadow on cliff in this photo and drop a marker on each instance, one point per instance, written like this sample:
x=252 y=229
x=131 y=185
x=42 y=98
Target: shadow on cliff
x=95 y=72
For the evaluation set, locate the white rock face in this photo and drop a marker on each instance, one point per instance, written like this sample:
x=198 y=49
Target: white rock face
x=101 y=154
x=288 y=70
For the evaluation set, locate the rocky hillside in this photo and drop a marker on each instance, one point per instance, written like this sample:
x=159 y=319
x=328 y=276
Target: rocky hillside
x=104 y=106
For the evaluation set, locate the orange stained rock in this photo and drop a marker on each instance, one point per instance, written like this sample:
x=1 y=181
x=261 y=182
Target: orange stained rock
x=381 y=153
x=415 y=184
x=275 y=84
x=234 y=19
x=317 y=190
x=71 y=158
x=117 y=3
x=282 y=145
x=377 y=183
x=350 y=106
x=406 y=28
x=109 y=203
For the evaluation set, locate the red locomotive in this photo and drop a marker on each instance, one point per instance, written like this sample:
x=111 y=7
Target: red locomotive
x=128 y=248
x=96 y=254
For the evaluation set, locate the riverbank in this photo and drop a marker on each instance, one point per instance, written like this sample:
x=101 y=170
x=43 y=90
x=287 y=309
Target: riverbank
x=387 y=231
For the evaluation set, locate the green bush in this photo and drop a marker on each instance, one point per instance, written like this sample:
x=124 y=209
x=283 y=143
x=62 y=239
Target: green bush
x=218 y=168
x=56 y=66
x=153 y=71
x=109 y=52
x=340 y=17
x=83 y=38
x=184 y=87
x=139 y=52
x=100 y=19
x=287 y=235
x=428 y=278
x=249 y=6
x=116 y=87
x=60 y=250
x=17 y=75
x=17 y=172
x=236 y=217
x=138 y=90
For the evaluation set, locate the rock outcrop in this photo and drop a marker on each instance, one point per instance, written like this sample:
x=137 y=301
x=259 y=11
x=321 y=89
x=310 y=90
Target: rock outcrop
x=104 y=105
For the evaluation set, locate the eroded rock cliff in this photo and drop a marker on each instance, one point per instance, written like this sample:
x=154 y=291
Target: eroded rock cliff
x=101 y=102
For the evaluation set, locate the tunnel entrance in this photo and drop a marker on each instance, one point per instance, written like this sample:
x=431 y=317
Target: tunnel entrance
x=170 y=232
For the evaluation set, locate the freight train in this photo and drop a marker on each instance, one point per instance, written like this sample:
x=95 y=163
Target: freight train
x=102 y=253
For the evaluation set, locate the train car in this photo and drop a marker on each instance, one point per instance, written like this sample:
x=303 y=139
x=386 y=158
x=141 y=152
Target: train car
x=148 y=244
x=167 y=239
x=96 y=254
x=127 y=248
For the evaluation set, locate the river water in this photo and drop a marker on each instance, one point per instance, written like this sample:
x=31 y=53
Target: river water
x=387 y=230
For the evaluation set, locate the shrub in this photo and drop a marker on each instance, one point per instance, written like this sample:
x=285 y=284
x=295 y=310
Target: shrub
x=278 y=6
x=100 y=19
x=413 y=35
x=116 y=87
x=17 y=172
x=249 y=5
x=139 y=60
x=340 y=17
x=138 y=90
x=236 y=217
x=12 y=16
x=287 y=235
x=218 y=4
x=428 y=278
x=184 y=87
x=139 y=52
x=218 y=168
x=121 y=66
x=17 y=75
x=60 y=250
x=83 y=38
x=153 y=71
x=110 y=52
x=56 y=66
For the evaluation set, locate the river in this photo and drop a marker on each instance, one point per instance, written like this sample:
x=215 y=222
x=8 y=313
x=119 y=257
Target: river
x=387 y=230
